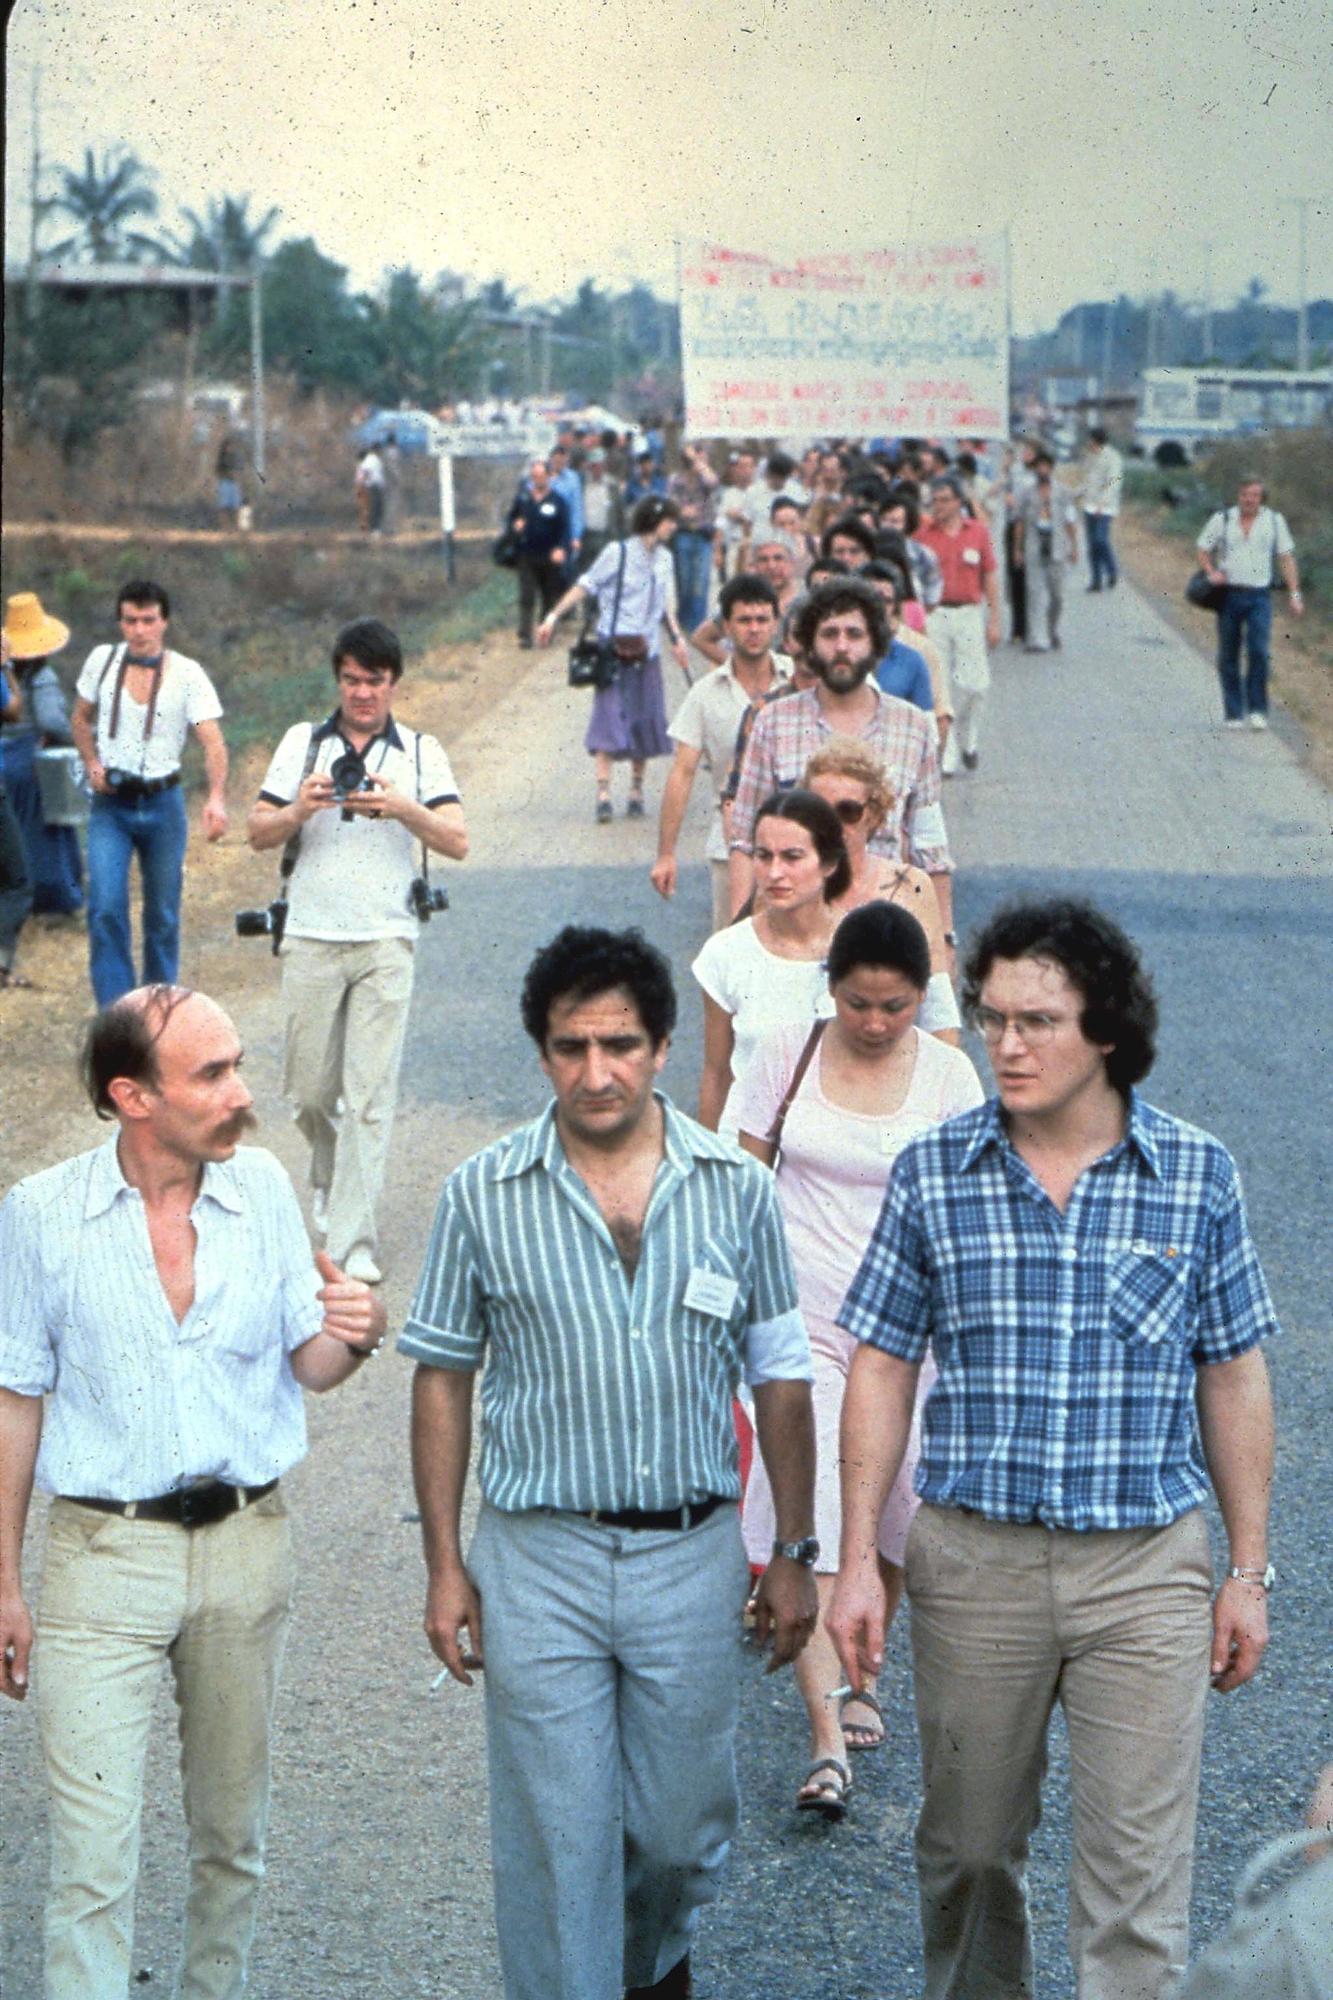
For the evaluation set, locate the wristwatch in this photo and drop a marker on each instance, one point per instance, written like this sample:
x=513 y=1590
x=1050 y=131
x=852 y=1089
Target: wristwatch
x=806 y=1553
x=1266 y=1577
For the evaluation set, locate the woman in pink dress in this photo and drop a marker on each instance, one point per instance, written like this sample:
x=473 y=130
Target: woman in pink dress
x=872 y=1081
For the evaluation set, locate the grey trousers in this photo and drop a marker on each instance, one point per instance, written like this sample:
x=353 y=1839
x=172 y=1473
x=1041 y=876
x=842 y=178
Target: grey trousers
x=612 y=1690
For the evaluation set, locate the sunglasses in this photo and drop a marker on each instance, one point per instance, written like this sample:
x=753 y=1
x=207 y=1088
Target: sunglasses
x=850 y=811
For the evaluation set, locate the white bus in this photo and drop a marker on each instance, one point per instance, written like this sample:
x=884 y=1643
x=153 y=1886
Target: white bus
x=1193 y=406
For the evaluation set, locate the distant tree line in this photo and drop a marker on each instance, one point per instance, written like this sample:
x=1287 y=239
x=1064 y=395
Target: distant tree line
x=1115 y=339
x=73 y=365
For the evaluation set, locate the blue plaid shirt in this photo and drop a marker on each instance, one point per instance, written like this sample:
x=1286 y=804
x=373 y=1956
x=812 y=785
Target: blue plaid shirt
x=1066 y=1344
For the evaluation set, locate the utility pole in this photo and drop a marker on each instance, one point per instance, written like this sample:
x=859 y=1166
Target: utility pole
x=1207 y=302
x=1301 y=204
x=257 y=371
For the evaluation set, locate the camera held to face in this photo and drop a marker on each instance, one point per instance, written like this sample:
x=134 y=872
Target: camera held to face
x=270 y=923
x=348 y=774
x=423 y=900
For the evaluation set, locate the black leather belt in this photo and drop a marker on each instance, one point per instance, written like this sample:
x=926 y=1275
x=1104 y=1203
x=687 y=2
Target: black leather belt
x=689 y=1515
x=188 y=1506
x=144 y=788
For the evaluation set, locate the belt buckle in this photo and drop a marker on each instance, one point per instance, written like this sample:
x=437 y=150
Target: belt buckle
x=192 y=1511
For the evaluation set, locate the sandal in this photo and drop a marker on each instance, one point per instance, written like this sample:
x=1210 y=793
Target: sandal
x=826 y=1796
x=863 y=1735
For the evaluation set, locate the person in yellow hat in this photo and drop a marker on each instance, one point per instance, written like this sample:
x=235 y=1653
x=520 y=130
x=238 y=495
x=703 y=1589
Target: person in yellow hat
x=15 y=888
x=55 y=864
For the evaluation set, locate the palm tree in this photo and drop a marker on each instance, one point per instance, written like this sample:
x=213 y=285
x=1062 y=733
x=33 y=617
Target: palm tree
x=224 y=239
x=103 y=199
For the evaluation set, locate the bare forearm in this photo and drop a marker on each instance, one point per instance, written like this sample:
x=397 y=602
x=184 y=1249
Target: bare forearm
x=82 y=730
x=322 y=1362
x=1287 y=566
x=740 y=877
x=785 y=1423
x=440 y=828
x=707 y=639
x=675 y=798
x=273 y=826
x=1235 y=1406
x=571 y=597
x=214 y=746
x=876 y=1424
x=20 y=1435
x=441 y=1446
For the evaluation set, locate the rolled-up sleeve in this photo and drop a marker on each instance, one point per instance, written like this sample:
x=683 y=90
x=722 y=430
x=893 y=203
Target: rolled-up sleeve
x=777 y=1347
x=925 y=835
x=889 y=1303
x=1234 y=1309
x=446 y=1327
x=27 y=1355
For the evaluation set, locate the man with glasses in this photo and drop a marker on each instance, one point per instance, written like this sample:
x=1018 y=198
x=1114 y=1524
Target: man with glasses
x=356 y=802
x=1080 y=1266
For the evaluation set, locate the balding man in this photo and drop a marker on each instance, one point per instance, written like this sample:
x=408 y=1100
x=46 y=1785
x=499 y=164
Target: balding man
x=173 y=1407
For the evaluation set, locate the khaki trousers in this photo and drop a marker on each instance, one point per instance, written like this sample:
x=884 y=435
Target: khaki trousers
x=719 y=877
x=1006 y=1621
x=346 y=1007
x=959 y=631
x=119 y=1597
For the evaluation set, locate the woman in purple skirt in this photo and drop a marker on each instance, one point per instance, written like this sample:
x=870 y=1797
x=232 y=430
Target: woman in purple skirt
x=633 y=585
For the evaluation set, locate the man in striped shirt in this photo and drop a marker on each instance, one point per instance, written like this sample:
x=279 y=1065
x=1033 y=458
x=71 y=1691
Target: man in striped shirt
x=1080 y=1267
x=617 y=1268
x=159 y=1296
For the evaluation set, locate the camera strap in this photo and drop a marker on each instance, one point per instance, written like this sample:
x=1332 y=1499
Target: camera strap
x=292 y=850
x=425 y=857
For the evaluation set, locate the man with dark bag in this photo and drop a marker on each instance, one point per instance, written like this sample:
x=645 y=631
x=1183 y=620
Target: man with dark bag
x=539 y=524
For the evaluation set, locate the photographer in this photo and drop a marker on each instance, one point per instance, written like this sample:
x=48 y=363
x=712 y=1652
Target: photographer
x=355 y=801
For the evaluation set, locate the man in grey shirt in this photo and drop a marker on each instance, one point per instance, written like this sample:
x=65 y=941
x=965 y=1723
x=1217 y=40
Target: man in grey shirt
x=618 y=1268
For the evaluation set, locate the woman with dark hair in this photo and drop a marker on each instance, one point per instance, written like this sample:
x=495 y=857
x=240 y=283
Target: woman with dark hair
x=855 y=1087
x=767 y=968
x=633 y=587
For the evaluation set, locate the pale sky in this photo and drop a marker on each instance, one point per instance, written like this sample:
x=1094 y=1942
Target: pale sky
x=549 y=142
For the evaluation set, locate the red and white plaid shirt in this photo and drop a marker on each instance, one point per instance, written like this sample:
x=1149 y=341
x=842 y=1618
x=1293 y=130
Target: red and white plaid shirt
x=786 y=733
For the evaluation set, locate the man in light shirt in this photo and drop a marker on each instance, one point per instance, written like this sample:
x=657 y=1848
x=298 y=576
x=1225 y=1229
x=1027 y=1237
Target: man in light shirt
x=1240 y=547
x=1103 y=477
x=159 y=1293
x=135 y=704
x=707 y=723
x=355 y=852
x=617 y=1268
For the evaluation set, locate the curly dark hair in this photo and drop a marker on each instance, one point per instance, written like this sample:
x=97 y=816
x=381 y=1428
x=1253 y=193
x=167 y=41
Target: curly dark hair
x=830 y=600
x=851 y=528
x=1095 y=955
x=582 y=962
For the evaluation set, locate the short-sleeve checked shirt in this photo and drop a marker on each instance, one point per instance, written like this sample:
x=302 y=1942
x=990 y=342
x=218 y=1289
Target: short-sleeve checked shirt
x=785 y=735
x=602 y=1391
x=1066 y=1344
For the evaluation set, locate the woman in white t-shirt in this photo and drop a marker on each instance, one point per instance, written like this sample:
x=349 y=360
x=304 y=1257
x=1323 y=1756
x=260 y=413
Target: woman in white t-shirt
x=768 y=969
x=871 y=1082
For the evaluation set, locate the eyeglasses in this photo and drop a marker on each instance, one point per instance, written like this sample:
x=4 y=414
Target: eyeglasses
x=850 y=811
x=1033 y=1030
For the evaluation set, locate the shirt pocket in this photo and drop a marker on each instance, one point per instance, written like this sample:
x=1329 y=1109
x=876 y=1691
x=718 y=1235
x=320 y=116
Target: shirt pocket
x=1147 y=1298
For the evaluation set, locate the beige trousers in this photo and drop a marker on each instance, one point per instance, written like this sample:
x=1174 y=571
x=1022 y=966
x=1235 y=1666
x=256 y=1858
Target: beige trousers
x=959 y=631
x=1006 y=1621
x=119 y=1597
x=719 y=876
x=346 y=1007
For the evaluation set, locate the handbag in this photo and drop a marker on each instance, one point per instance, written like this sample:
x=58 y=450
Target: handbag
x=773 y=1137
x=595 y=662
x=1203 y=592
x=504 y=549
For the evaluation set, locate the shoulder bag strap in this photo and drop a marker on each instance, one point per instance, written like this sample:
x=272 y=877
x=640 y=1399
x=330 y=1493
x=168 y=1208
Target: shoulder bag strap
x=425 y=856
x=803 y=1062
x=292 y=849
x=620 y=585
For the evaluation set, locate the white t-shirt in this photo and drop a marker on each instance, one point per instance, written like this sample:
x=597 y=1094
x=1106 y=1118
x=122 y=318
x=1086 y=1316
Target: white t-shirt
x=185 y=697
x=836 y=1163
x=709 y=720
x=352 y=877
x=1247 y=559
x=760 y=991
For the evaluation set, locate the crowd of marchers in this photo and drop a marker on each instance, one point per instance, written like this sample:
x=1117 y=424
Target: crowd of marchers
x=854 y=1330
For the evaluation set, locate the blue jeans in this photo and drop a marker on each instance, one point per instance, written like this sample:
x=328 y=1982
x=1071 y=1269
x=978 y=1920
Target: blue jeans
x=694 y=568
x=1246 y=614
x=1101 y=556
x=154 y=829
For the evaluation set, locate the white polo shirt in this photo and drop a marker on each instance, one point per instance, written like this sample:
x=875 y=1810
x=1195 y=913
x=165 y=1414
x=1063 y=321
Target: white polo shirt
x=1247 y=559
x=709 y=719
x=185 y=697
x=352 y=877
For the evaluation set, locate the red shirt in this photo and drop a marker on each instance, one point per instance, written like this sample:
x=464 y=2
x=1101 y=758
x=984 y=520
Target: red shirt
x=964 y=558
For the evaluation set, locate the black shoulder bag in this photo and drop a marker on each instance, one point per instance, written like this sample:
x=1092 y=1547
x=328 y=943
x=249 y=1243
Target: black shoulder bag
x=594 y=662
x=1201 y=590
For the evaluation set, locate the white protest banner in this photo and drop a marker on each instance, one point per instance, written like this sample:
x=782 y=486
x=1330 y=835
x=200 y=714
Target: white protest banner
x=912 y=341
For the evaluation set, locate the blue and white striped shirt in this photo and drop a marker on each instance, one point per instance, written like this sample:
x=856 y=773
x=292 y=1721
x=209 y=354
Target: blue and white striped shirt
x=1066 y=1344
x=602 y=1391
x=138 y=1404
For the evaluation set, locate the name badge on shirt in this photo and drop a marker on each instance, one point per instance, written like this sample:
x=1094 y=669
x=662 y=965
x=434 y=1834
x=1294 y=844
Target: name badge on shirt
x=972 y=555
x=710 y=1292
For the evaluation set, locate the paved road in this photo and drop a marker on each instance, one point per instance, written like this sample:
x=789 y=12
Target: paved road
x=1103 y=772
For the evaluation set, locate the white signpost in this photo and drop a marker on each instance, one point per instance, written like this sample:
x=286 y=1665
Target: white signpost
x=909 y=341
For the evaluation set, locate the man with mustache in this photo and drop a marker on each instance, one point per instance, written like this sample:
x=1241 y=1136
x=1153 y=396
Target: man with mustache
x=159 y=1293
